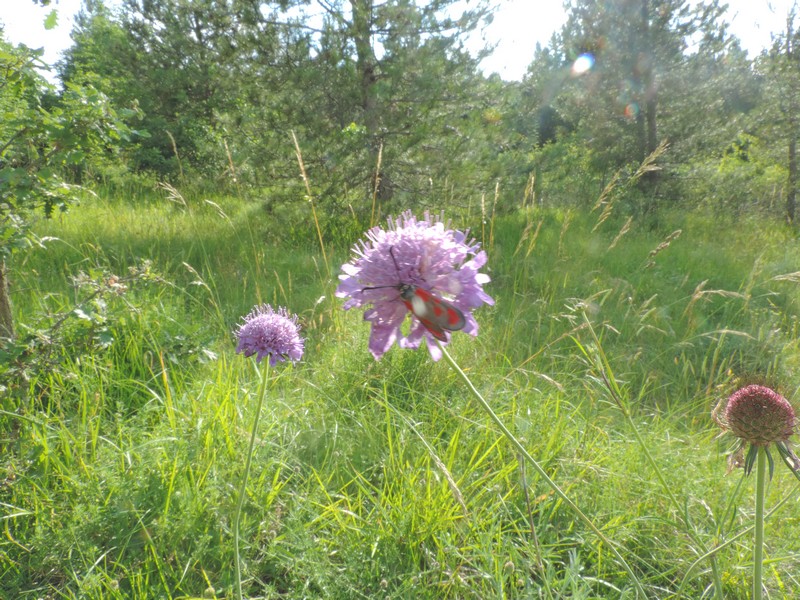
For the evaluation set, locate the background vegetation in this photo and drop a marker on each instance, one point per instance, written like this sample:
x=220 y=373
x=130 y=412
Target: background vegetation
x=642 y=210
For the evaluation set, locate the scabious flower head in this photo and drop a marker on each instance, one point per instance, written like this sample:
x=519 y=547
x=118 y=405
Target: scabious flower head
x=424 y=253
x=269 y=333
x=759 y=417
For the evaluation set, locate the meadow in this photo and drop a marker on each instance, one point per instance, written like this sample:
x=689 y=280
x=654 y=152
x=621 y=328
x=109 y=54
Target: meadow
x=610 y=342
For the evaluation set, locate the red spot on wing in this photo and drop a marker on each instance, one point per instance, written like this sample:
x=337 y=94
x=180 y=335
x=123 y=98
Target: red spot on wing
x=434 y=329
x=455 y=317
x=424 y=295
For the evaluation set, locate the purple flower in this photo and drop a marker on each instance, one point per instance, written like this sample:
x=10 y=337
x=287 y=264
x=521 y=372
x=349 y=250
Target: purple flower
x=266 y=332
x=424 y=255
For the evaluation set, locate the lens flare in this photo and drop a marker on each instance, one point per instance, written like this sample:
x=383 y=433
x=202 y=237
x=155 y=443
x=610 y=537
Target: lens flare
x=582 y=64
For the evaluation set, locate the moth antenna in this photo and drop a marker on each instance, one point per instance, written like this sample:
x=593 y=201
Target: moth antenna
x=394 y=260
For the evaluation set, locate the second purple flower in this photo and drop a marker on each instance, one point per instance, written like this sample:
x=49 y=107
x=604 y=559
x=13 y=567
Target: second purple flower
x=424 y=254
x=270 y=333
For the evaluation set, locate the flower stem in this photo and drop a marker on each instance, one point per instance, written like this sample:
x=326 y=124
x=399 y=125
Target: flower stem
x=603 y=366
x=542 y=473
x=240 y=501
x=758 y=547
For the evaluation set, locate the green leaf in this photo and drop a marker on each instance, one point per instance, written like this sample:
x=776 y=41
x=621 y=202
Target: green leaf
x=51 y=20
x=771 y=463
x=750 y=459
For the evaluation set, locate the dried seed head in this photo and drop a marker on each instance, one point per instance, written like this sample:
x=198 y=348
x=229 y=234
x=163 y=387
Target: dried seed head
x=759 y=415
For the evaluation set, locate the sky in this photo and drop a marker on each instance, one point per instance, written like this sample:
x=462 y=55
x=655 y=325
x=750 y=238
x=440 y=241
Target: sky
x=518 y=25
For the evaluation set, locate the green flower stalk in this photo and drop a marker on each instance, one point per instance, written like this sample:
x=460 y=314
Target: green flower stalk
x=759 y=418
x=427 y=270
x=543 y=474
x=265 y=333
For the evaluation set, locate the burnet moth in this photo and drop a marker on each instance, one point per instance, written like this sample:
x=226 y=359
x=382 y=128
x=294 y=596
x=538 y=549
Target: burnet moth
x=435 y=314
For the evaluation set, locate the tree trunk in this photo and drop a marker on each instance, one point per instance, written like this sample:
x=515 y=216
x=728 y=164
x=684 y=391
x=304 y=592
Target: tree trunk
x=649 y=130
x=644 y=79
x=651 y=107
x=6 y=318
x=367 y=67
x=791 y=195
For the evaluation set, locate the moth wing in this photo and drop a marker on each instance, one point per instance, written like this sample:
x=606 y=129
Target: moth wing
x=437 y=312
x=454 y=317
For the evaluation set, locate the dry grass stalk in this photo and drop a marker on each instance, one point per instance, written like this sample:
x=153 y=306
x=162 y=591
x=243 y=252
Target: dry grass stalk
x=483 y=219
x=793 y=277
x=606 y=201
x=310 y=197
x=534 y=237
x=530 y=191
x=280 y=287
x=604 y=195
x=661 y=247
x=220 y=212
x=494 y=207
x=648 y=164
x=526 y=233
x=230 y=162
x=625 y=229
x=173 y=195
x=177 y=156
x=564 y=227
x=376 y=186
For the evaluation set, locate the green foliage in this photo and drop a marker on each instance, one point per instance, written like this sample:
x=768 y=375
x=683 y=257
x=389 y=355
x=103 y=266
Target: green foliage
x=124 y=410
x=65 y=334
x=224 y=84
x=660 y=72
x=48 y=143
x=389 y=109
x=744 y=182
x=383 y=478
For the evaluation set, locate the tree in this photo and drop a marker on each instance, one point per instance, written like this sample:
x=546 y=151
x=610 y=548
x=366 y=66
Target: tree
x=361 y=79
x=639 y=47
x=196 y=69
x=792 y=58
x=781 y=66
x=409 y=86
x=43 y=140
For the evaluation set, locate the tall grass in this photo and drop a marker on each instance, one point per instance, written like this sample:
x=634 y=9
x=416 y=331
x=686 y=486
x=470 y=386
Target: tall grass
x=383 y=479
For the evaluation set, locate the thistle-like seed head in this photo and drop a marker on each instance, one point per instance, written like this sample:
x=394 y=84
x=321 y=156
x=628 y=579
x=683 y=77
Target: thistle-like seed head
x=759 y=415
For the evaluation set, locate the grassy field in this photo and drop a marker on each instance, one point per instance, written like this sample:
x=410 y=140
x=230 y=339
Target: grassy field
x=124 y=439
